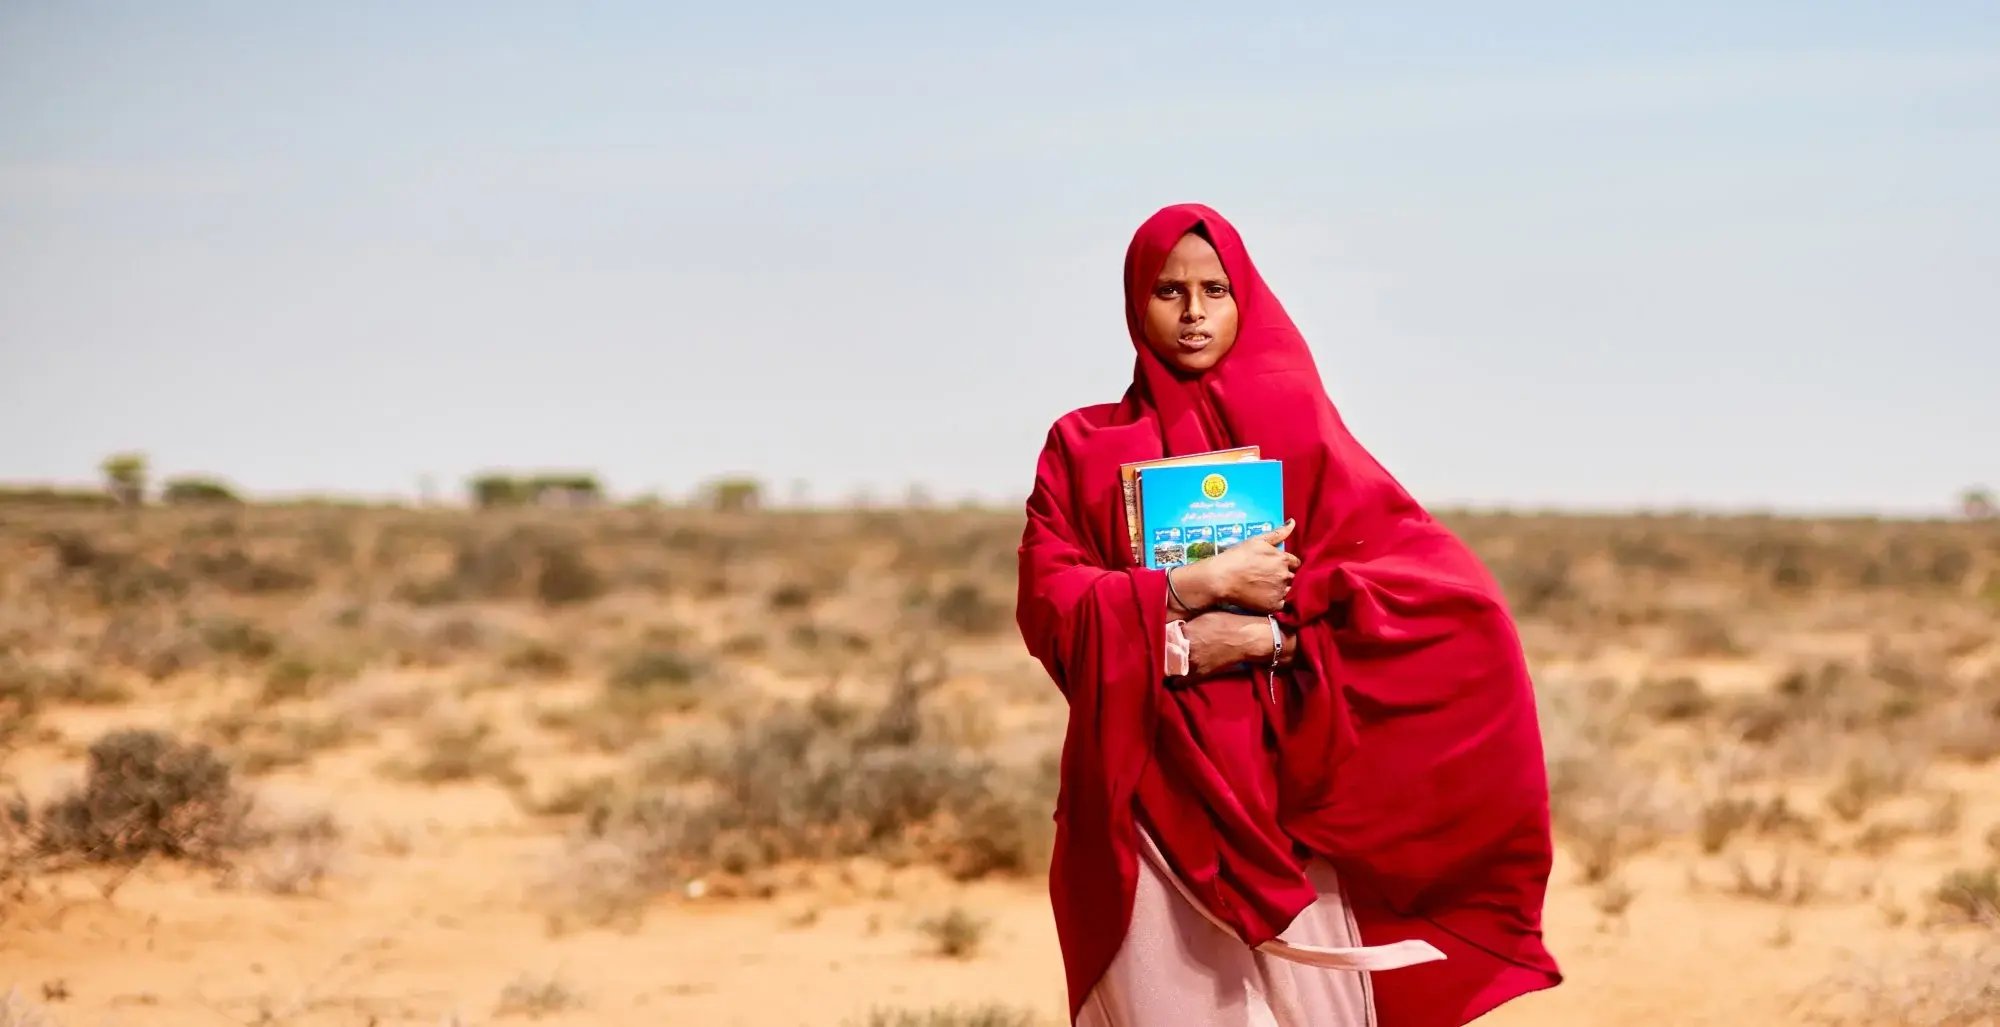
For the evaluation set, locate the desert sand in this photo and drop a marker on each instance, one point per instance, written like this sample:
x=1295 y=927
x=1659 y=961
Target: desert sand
x=652 y=766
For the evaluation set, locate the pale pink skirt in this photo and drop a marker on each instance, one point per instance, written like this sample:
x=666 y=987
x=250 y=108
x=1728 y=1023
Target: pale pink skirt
x=1179 y=965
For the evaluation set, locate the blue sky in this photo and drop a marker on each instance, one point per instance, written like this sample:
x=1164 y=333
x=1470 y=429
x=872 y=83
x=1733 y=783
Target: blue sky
x=1720 y=255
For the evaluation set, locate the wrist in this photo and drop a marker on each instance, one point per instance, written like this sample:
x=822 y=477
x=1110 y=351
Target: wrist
x=1253 y=638
x=1195 y=583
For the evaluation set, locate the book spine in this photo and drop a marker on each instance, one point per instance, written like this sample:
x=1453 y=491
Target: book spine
x=1132 y=527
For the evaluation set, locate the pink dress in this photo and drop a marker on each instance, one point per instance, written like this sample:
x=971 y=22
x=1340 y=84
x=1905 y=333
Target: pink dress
x=1180 y=965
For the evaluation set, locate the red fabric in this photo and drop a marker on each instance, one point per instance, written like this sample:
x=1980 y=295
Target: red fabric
x=1403 y=744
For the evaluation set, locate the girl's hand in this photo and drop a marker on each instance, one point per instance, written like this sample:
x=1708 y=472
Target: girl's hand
x=1255 y=575
x=1218 y=641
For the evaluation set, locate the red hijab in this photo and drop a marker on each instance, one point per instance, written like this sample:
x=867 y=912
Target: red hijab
x=1402 y=745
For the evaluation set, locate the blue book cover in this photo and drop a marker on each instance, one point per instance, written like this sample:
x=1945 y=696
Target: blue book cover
x=1194 y=511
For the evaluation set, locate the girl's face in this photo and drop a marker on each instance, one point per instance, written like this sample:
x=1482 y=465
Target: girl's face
x=1190 y=317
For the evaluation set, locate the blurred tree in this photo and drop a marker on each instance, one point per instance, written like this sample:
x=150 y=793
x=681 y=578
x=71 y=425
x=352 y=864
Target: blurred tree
x=493 y=490
x=192 y=489
x=734 y=495
x=1978 y=503
x=566 y=490
x=125 y=477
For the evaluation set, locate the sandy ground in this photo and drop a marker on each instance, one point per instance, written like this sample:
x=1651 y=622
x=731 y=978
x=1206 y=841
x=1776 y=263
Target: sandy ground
x=436 y=908
x=432 y=914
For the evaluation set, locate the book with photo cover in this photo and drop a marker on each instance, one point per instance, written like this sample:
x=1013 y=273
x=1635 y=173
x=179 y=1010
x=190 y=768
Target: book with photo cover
x=1128 y=477
x=1190 y=512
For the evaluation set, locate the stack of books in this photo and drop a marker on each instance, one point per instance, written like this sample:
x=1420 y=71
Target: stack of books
x=1187 y=508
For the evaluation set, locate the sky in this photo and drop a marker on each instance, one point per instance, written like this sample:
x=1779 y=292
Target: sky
x=1714 y=255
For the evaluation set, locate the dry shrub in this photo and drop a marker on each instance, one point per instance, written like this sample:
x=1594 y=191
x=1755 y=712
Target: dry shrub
x=1613 y=898
x=666 y=677
x=291 y=677
x=1969 y=895
x=1708 y=634
x=17 y=853
x=1938 y=986
x=791 y=596
x=601 y=880
x=233 y=569
x=1880 y=774
x=452 y=748
x=1605 y=806
x=146 y=794
x=1722 y=818
x=535 y=996
x=966 y=609
x=523 y=561
x=233 y=637
x=645 y=684
x=955 y=933
x=1788 y=881
x=262 y=745
x=1673 y=699
x=112 y=577
x=828 y=779
x=29 y=686
x=949 y=1016
x=566 y=576
x=536 y=658
x=294 y=853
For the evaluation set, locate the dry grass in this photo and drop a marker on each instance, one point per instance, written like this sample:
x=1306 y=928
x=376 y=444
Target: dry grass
x=534 y=996
x=950 y=1016
x=684 y=705
x=955 y=933
x=1936 y=986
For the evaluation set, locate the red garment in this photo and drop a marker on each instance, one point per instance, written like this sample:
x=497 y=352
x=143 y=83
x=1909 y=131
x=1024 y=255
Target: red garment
x=1402 y=746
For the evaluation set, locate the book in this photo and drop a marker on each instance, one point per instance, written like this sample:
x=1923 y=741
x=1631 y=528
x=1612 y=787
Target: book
x=1128 y=478
x=1190 y=512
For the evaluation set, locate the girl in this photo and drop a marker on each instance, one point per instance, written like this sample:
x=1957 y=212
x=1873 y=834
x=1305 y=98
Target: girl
x=1329 y=810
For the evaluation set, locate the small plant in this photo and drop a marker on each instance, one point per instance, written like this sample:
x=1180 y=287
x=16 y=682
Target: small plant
x=190 y=490
x=565 y=576
x=956 y=934
x=1970 y=895
x=656 y=679
x=1784 y=881
x=791 y=596
x=535 y=996
x=125 y=477
x=291 y=677
x=456 y=750
x=1860 y=787
x=296 y=854
x=1674 y=699
x=538 y=659
x=991 y=1015
x=147 y=794
x=233 y=636
x=1721 y=818
x=964 y=608
x=1613 y=898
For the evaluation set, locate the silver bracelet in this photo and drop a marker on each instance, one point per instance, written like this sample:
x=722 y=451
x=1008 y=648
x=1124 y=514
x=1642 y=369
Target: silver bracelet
x=1277 y=642
x=1175 y=595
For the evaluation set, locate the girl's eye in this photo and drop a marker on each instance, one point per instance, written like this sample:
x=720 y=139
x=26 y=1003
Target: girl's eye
x=1218 y=291
x=1167 y=292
